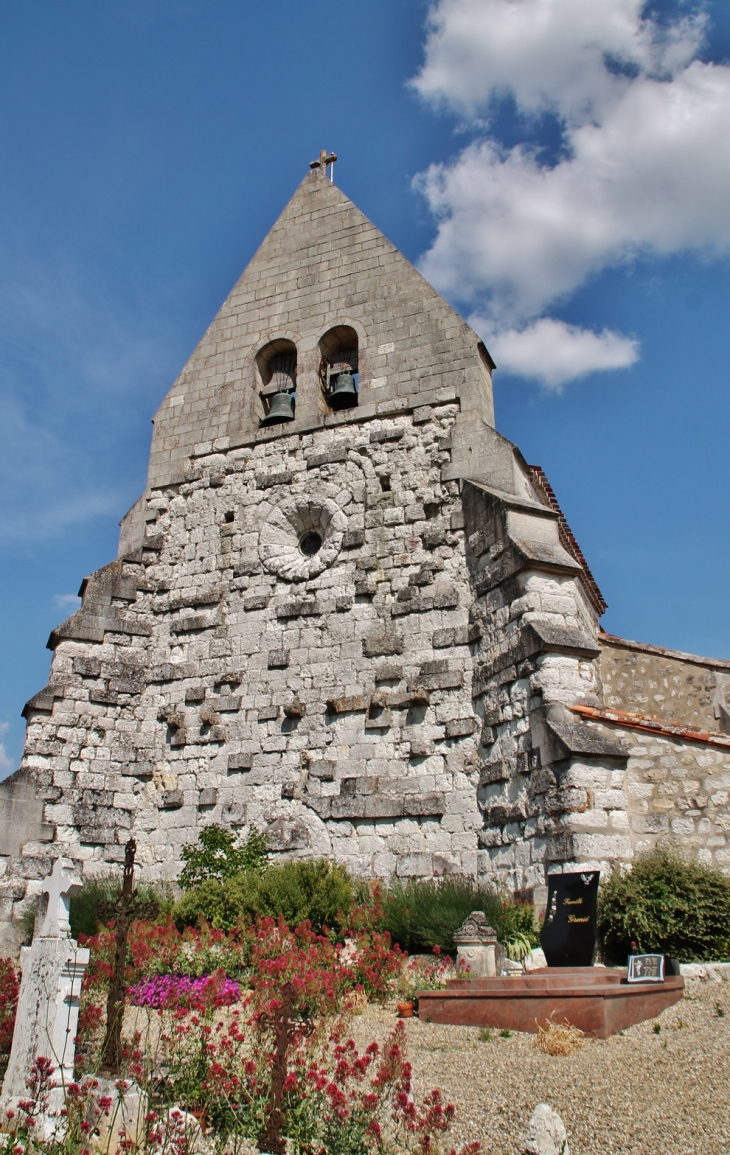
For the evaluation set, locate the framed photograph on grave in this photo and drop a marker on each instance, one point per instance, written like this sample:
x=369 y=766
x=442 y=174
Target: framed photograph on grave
x=645 y=968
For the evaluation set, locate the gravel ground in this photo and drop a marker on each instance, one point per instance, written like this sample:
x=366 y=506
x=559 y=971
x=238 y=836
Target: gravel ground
x=638 y=1093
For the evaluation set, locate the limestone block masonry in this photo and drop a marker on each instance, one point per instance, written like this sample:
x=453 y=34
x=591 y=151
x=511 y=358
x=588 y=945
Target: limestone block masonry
x=367 y=631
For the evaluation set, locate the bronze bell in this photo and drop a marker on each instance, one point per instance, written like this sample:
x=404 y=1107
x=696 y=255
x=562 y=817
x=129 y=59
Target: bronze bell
x=344 y=393
x=282 y=409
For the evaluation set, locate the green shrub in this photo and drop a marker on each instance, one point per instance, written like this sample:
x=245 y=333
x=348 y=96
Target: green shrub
x=87 y=906
x=218 y=854
x=665 y=904
x=318 y=891
x=422 y=914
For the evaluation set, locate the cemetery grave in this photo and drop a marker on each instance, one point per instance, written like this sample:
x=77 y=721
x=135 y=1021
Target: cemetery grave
x=263 y=1034
x=597 y=1001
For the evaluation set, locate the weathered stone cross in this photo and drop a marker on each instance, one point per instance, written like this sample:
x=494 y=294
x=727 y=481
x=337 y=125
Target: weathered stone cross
x=323 y=161
x=48 y=1003
x=59 y=885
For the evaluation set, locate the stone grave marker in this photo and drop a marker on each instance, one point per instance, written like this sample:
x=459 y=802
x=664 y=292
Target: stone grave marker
x=48 y=1003
x=476 y=946
x=568 y=935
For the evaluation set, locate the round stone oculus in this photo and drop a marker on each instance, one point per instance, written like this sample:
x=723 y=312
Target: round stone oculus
x=301 y=537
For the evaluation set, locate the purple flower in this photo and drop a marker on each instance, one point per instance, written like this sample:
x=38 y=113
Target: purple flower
x=166 y=991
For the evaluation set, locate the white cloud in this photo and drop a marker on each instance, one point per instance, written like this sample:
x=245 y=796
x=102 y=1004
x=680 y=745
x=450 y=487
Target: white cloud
x=652 y=178
x=65 y=600
x=550 y=54
x=554 y=353
x=6 y=764
x=49 y=518
x=645 y=168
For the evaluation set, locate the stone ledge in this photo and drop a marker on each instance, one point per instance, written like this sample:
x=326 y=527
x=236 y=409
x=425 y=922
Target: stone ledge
x=378 y=806
x=298 y=608
x=533 y=639
x=576 y=739
x=43 y=700
x=348 y=705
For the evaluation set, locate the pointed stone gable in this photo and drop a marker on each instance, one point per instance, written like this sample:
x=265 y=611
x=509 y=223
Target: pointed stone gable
x=323 y=264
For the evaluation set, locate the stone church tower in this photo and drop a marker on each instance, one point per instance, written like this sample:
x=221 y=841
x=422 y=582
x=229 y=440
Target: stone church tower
x=346 y=610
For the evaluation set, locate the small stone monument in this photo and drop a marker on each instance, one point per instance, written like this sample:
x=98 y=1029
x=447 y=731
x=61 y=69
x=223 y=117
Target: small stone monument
x=48 y=1003
x=476 y=946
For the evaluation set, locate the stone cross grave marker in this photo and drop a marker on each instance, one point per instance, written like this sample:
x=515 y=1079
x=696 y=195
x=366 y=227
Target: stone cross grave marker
x=48 y=1003
x=57 y=889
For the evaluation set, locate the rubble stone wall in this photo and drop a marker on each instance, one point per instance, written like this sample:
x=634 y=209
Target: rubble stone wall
x=677 y=796
x=681 y=688
x=385 y=706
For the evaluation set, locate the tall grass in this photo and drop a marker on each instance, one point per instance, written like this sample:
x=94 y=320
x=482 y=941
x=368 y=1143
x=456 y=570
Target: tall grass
x=422 y=914
x=87 y=907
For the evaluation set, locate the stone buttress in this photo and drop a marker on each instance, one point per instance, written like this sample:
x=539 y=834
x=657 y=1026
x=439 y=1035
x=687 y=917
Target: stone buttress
x=365 y=630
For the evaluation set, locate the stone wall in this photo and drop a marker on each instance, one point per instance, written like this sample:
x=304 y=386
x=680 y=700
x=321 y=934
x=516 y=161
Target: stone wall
x=226 y=692
x=398 y=701
x=680 y=688
x=678 y=794
x=406 y=697
x=670 y=711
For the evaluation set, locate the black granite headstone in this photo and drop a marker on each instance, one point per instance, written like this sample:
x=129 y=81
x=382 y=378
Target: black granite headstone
x=569 y=932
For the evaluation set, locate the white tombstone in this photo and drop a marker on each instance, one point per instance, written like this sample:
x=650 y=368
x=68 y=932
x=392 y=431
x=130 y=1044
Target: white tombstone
x=48 y=1003
x=476 y=946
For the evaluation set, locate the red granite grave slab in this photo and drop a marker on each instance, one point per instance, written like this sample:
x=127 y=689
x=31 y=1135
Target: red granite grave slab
x=598 y=1001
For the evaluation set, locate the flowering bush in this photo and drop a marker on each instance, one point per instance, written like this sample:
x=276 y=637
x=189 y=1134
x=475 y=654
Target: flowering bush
x=339 y=1100
x=259 y=955
x=8 y=1006
x=427 y=974
x=221 y=1069
x=166 y=991
x=335 y=1099
x=35 y=1128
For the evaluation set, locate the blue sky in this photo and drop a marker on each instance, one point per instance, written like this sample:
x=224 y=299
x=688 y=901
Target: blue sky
x=559 y=168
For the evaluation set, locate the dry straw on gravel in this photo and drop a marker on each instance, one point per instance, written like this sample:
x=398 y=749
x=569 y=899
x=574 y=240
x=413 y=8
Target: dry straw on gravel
x=558 y=1038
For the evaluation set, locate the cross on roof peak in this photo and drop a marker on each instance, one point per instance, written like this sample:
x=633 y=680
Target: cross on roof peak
x=324 y=161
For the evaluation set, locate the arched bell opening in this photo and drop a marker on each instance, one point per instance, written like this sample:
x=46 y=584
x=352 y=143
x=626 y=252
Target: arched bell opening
x=338 y=369
x=276 y=365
